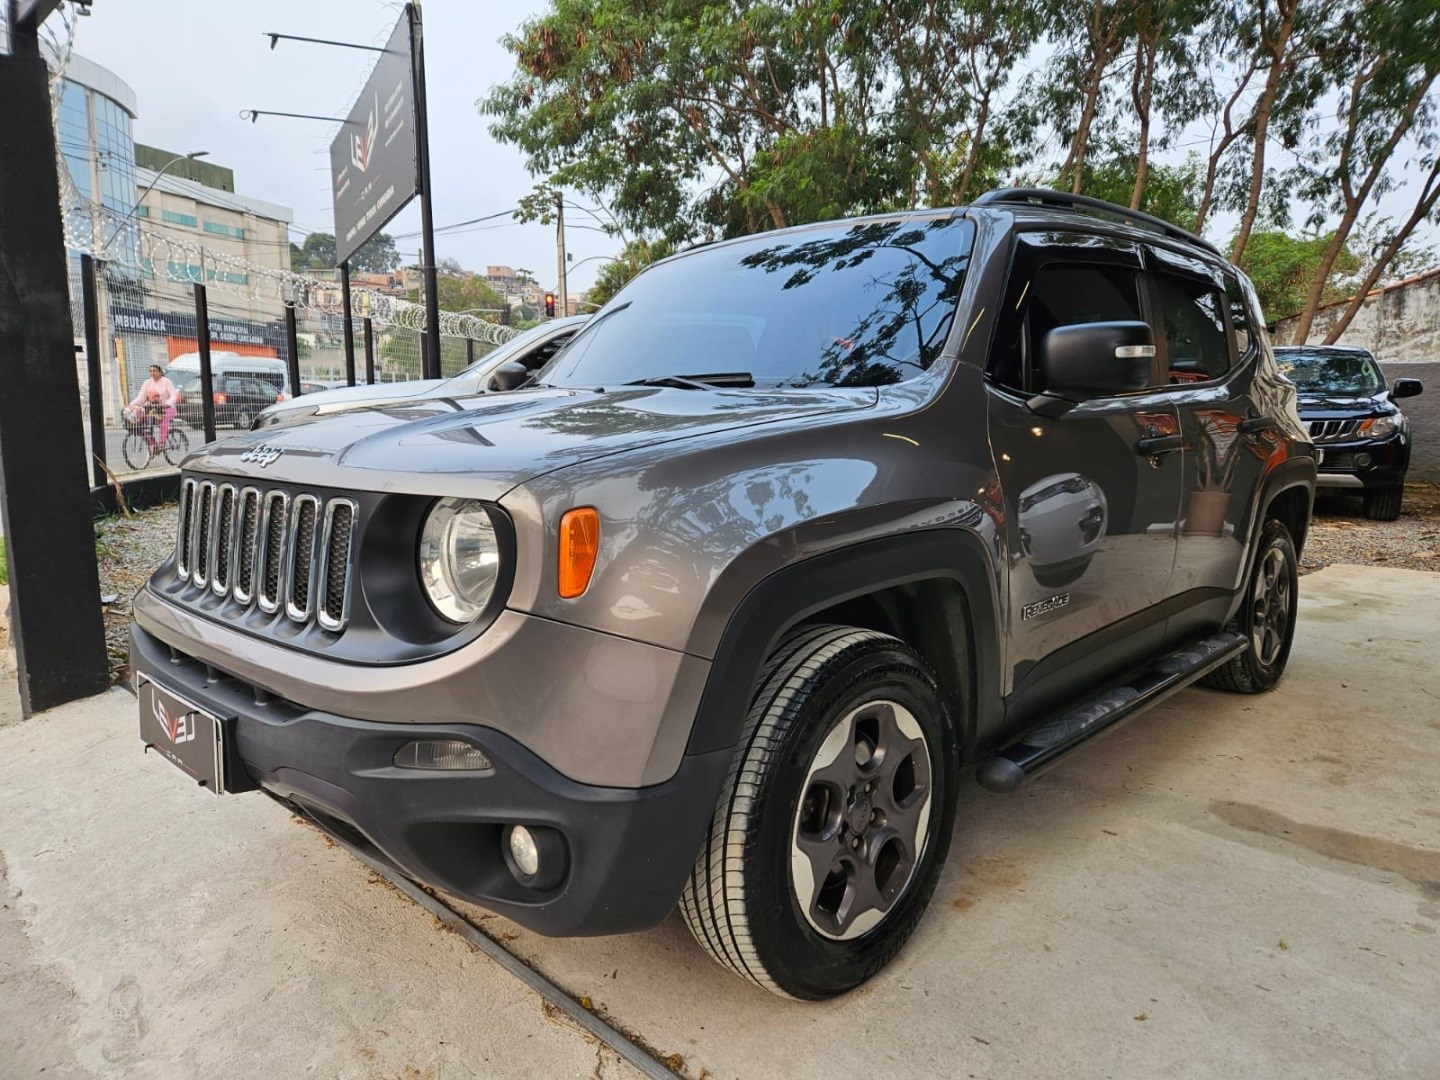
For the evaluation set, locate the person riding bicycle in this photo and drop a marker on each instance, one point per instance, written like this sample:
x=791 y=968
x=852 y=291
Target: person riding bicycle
x=158 y=394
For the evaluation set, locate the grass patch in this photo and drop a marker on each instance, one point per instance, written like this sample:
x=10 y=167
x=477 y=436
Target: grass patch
x=4 y=567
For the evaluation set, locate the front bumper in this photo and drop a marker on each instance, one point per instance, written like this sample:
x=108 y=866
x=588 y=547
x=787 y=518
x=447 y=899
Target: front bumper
x=1364 y=463
x=627 y=850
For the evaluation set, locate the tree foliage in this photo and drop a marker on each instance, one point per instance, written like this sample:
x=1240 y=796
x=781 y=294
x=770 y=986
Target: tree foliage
x=704 y=118
x=378 y=255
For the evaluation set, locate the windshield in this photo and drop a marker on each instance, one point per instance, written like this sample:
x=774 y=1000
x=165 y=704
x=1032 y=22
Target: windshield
x=1350 y=372
x=851 y=304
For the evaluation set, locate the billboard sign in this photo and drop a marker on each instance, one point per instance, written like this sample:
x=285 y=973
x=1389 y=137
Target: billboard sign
x=373 y=161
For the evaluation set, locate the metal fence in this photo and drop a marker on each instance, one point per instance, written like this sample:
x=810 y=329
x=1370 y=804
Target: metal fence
x=132 y=321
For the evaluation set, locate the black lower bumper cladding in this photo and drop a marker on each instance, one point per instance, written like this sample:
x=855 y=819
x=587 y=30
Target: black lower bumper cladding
x=628 y=851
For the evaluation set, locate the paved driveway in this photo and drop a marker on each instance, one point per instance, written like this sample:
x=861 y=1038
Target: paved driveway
x=1226 y=887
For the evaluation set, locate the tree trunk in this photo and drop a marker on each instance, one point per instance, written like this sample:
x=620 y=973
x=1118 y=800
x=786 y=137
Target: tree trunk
x=1263 y=109
x=1141 y=92
x=1429 y=196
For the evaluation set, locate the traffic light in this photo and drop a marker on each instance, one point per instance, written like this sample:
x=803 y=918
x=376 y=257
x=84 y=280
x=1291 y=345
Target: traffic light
x=549 y=305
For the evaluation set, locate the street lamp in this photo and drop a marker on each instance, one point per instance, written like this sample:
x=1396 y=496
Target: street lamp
x=141 y=198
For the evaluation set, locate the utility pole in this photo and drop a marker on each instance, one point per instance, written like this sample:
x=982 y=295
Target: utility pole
x=430 y=365
x=560 y=254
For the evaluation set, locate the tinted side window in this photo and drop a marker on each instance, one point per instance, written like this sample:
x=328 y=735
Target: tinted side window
x=1194 y=317
x=1065 y=295
x=1239 y=316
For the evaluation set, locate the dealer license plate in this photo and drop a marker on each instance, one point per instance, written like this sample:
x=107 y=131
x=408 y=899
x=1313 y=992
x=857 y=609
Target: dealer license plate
x=187 y=736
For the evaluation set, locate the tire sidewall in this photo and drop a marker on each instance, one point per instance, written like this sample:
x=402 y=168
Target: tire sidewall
x=1274 y=535
x=802 y=962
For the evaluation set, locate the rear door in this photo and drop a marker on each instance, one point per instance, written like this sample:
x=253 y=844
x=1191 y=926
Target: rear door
x=1090 y=516
x=1209 y=353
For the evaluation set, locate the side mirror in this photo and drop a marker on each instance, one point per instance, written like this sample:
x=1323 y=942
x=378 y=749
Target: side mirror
x=509 y=375
x=1406 y=388
x=1088 y=360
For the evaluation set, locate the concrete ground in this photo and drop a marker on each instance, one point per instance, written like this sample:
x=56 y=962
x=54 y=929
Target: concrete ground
x=1228 y=886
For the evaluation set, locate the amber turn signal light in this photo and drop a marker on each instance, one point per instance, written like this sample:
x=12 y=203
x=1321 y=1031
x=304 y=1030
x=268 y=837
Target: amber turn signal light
x=579 y=545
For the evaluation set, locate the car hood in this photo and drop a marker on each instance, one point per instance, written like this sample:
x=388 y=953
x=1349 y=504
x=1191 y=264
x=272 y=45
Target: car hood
x=1320 y=406
x=353 y=396
x=483 y=446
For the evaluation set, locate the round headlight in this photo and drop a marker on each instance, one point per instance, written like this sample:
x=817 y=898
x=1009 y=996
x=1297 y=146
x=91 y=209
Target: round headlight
x=459 y=559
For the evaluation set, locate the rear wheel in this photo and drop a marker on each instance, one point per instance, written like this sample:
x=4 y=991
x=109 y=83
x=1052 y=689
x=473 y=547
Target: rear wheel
x=828 y=837
x=136 y=450
x=1267 y=617
x=242 y=419
x=1383 y=503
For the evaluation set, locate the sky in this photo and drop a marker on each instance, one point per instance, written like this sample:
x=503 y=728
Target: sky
x=195 y=64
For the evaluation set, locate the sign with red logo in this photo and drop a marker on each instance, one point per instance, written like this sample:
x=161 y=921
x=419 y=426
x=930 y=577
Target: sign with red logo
x=374 y=161
x=188 y=737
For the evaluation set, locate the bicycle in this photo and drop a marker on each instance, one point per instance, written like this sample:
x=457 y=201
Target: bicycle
x=140 y=446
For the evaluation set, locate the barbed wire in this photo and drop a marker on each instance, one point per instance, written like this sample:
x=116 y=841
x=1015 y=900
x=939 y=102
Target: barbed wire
x=126 y=242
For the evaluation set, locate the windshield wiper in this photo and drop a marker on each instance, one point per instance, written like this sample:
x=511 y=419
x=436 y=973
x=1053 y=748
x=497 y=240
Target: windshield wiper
x=699 y=382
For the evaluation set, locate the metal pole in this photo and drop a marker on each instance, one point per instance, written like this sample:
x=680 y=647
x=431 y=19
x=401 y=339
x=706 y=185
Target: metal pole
x=564 y=305
x=430 y=360
x=45 y=508
x=369 y=353
x=89 y=298
x=469 y=351
x=292 y=348
x=207 y=383
x=349 y=323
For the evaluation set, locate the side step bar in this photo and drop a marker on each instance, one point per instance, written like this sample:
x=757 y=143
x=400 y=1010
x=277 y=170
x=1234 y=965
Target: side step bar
x=1042 y=746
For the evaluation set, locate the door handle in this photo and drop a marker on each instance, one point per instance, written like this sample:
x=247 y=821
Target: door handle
x=1251 y=424
x=1156 y=445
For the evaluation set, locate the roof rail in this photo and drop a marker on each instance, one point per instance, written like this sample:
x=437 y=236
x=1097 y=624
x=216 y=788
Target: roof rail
x=1064 y=200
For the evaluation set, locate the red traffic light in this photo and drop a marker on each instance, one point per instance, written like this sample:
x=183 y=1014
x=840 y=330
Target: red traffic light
x=549 y=305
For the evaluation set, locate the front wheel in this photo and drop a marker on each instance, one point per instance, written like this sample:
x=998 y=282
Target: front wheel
x=1383 y=504
x=1267 y=617
x=136 y=450
x=177 y=445
x=835 y=817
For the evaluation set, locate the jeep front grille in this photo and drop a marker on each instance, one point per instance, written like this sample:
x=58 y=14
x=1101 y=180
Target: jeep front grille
x=268 y=549
x=1332 y=430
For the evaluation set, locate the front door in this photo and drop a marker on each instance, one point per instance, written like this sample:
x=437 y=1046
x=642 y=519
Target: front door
x=1092 y=497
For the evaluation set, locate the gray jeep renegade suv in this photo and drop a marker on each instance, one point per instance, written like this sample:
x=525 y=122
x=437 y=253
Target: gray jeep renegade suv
x=795 y=529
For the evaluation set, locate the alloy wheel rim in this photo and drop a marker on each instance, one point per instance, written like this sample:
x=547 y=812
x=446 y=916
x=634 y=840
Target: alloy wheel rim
x=863 y=821
x=1270 y=607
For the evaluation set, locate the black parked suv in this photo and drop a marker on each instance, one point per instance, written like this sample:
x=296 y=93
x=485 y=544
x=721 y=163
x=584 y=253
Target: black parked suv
x=1363 y=436
x=794 y=529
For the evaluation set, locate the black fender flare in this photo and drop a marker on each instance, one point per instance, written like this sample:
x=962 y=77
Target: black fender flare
x=785 y=598
x=1296 y=472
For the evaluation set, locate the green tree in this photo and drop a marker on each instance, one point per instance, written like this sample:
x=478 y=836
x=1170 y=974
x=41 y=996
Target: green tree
x=1170 y=192
x=459 y=292
x=317 y=253
x=378 y=255
x=612 y=277
x=1282 y=267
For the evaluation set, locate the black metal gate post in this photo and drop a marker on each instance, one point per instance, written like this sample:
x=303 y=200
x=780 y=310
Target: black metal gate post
x=469 y=351
x=349 y=324
x=369 y=353
x=90 y=298
x=292 y=343
x=430 y=353
x=55 y=619
x=207 y=382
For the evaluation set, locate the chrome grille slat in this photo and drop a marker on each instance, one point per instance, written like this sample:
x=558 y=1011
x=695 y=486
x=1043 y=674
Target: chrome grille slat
x=300 y=585
x=222 y=537
x=200 y=538
x=1333 y=430
x=335 y=544
x=271 y=553
x=269 y=548
x=247 y=530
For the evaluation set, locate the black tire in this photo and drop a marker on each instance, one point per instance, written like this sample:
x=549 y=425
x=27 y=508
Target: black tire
x=177 y=445
x=1383 y=503
x=823 y=685
x=1271 y=621
x=135 y=450
x=241 y=420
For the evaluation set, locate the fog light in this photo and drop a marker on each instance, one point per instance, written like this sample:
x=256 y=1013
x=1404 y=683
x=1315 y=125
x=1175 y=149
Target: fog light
x=524 y=851
x=1362 y=460
x=446 y=754
x=535 y=855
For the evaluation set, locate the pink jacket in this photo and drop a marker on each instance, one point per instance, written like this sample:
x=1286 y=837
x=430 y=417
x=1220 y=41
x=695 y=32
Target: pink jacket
x=160 y=391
